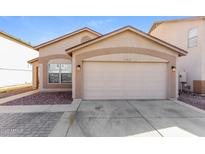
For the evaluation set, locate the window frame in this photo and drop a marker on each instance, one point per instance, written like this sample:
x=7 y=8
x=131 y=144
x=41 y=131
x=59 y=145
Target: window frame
x=59 y=74
x=193 y=37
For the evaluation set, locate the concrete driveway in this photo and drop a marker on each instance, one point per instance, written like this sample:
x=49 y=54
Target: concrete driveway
x=136 y=118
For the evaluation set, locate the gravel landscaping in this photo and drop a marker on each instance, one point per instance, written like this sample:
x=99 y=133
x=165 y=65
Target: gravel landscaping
x=194 y=100
x=43 y=98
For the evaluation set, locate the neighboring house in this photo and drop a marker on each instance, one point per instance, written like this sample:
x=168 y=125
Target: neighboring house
x=123 y=64
x=188 y=34
x=14 y=68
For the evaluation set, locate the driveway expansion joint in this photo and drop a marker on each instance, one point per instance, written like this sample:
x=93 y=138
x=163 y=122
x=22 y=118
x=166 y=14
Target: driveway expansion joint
x=144 y=118
x=74 y=116
x=110 y=117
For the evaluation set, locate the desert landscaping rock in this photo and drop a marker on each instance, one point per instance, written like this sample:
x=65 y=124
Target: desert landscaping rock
x=194 y=100
x=43 y=98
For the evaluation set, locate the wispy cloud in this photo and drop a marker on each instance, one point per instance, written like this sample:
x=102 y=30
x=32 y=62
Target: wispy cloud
x=100 y=23
x=47 y=36
x=96 y=23
x=104 y=25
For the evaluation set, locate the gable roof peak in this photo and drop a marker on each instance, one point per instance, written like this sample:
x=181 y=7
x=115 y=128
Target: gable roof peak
x=133 y=29
x=66 y=36
x=157 y=23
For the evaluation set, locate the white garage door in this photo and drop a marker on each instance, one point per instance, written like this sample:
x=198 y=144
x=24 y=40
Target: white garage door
x=115 y=80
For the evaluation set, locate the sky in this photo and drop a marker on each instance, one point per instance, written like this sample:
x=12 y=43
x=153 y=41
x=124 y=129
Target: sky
x=39 y=29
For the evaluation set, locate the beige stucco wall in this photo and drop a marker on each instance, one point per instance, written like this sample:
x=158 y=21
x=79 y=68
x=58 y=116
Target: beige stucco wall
x=59 y=61
x=59 y=47
x=177 y=33
x=127 y=39
x=40 y=74
x=55 y=53
x=35 y=75
x=126 y=42
x=43 y=71
x=126 y=58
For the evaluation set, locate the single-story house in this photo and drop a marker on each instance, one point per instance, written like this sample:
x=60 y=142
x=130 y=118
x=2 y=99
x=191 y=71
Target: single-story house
x=124 y=64
x=15 y=53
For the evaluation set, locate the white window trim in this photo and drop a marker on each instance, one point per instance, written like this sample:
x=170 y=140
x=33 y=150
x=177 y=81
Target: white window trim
x=59 y=73
x=188 y=38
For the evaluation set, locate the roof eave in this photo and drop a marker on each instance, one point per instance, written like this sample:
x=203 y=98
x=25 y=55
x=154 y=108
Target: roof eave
x=10 y=37
x=156 y=24
x=181 y=52
x=66 y=36
x=32 y=60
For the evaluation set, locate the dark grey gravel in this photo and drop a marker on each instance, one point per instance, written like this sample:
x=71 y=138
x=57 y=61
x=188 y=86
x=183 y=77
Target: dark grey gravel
x=43 y=98
x=194 y=100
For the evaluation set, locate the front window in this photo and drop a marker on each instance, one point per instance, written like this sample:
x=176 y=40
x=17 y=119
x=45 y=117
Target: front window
x=192 y=38
x=59 y=73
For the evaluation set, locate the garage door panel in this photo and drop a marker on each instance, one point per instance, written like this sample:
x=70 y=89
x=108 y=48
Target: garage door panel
x=112 y=80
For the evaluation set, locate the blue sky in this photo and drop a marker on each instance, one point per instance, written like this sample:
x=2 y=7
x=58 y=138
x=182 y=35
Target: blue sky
x=36 y=30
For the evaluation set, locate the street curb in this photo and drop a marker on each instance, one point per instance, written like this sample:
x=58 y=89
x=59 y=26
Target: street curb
x=41 y=108
x=62 y=126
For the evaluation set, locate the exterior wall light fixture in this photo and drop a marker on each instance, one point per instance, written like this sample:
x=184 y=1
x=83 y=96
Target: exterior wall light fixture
x=78 y=68
x=173 y=69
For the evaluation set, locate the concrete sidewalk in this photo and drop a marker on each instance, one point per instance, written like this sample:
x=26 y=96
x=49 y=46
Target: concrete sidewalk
x=14 y=97
x=40 y=108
